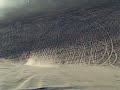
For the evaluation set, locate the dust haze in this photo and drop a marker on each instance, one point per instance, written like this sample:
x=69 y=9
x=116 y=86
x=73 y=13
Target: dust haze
x=18 y=8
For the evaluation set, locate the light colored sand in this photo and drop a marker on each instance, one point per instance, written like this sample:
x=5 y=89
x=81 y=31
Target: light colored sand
x=82 y=77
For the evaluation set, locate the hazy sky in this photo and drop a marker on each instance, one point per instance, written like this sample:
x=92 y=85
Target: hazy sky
x=14 y=8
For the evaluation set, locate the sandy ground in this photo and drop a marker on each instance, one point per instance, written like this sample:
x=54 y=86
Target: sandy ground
x=58 y=77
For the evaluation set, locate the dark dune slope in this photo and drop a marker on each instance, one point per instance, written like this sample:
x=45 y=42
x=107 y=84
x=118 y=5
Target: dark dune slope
x=91 y=35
